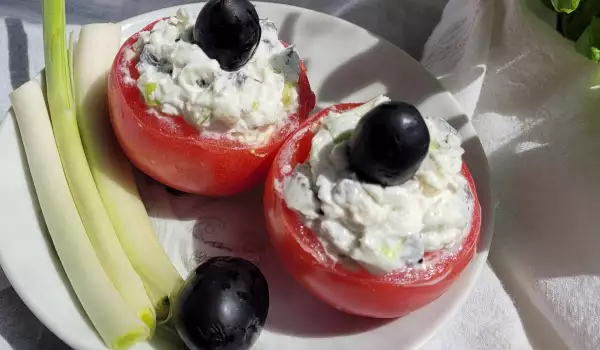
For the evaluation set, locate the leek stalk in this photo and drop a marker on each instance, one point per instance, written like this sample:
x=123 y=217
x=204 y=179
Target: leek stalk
x=90 y=207
x=116 y=323
x=94 y=53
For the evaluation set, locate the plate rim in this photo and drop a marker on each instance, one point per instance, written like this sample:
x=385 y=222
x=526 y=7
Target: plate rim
x=478 y=262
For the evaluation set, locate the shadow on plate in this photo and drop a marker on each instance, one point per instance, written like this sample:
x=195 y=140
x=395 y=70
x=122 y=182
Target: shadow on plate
x=368 y=68
x=20 y=329
x=296 y=312
x=235 y=226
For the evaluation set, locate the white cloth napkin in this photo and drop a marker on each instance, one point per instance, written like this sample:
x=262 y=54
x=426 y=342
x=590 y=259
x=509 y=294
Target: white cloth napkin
x=535 y=106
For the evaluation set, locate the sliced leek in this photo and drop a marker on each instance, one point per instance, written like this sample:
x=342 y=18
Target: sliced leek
x=97 y=46
x=116 y=323
x=91 y=209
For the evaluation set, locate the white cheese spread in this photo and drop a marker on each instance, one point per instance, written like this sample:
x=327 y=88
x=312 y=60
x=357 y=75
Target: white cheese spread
x=179 y=79
x=381 y=228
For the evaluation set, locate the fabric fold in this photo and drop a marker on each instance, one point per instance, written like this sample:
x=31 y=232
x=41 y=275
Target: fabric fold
x=535 y=112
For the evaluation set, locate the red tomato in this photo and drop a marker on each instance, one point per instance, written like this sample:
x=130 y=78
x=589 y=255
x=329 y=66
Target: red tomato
x=174 y=153
x=356 y=292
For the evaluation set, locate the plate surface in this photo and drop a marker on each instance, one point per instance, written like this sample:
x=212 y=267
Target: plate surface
x=345 y=64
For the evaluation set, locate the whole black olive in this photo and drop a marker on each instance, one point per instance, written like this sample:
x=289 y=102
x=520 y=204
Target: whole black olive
x=388 y=144
x=228 y=31
x=223 y=305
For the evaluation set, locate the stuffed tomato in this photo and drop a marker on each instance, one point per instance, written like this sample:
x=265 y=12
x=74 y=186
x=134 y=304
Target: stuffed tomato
x=203 y=107
x=371 y=208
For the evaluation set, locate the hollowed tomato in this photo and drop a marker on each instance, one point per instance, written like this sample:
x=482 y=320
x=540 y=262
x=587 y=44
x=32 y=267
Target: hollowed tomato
x=354 y=291
x=174 y=152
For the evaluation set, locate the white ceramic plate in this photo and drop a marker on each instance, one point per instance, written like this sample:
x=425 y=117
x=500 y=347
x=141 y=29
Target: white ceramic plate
x=345 y=63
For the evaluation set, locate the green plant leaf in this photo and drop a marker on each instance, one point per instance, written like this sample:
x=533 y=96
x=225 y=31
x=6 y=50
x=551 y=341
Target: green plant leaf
x=588 y=43
x=573 y=24
x=566 y=6
x=548 y=4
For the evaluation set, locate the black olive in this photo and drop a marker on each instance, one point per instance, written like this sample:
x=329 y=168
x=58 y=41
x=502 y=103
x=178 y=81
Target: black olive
x=228 y=31
x=149 y=57
x=240 y=78
x=222 y=305
x=202 y=83
x=163 y=64
x=388 y=144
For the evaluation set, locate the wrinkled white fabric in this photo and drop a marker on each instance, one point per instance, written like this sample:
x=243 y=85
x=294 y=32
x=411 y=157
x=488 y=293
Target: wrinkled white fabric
x=534 y=103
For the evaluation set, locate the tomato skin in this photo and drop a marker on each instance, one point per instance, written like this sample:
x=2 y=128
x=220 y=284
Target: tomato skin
x=355 y=292
x=174 y=153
